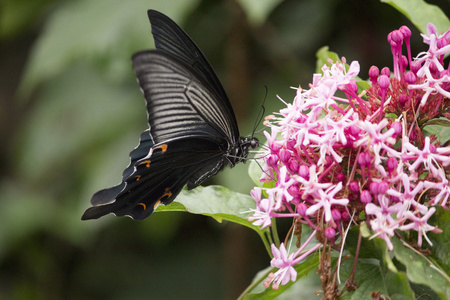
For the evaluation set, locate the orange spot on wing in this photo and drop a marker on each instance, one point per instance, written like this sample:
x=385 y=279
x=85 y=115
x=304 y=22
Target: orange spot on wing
x=167 y=193
x=138 y=177
x=163 y=147
x=143 y=205
x=156 y=204
x=146 y=163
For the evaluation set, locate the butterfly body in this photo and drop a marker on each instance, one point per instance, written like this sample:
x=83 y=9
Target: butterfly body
x=193 y=131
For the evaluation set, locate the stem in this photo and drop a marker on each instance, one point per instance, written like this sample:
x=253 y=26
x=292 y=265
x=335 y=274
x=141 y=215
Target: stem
x=262 y=235
x=275 y=233
x=349 y=283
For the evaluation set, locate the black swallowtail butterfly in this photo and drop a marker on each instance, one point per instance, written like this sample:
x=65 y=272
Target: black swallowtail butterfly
x=193 y=131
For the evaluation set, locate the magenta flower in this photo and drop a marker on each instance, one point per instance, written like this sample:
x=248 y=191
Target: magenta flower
x=335 y=151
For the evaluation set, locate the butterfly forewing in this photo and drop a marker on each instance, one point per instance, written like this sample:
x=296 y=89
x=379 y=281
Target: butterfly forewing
x=173 y=40
x=178 y=103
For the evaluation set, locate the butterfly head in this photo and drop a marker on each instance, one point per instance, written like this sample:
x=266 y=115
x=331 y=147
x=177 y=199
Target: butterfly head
x=241 y=149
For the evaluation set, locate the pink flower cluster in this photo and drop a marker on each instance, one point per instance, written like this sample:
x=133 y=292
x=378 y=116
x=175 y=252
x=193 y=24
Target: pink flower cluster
x=335 y=155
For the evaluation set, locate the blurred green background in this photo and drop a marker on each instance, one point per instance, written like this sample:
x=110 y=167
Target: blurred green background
x=71 y=110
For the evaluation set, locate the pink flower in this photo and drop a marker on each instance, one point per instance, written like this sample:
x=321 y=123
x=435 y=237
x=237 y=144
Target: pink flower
x=420 y=225
x=326 y=200
x=261 y=215
x=284 y=262
x=426 y=156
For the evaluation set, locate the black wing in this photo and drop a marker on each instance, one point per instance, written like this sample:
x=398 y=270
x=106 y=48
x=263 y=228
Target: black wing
x=192 y=126
x=159 y=176
x=171 y=39
x=178 y=103
x=107 y=196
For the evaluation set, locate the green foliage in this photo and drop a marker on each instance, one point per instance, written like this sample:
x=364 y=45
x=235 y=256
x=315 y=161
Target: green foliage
x=440 y=128
x=216 y=202
x=421 y=270
x=421 y=13
x=323 y=56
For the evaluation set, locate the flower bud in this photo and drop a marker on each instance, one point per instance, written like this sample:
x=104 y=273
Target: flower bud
x=404 y=61
x=336 y=215
x=397 y=37
x=301 y=209
x=432 y=148
x=405 y=31
x=402 y=99
x=364 y=159
x=415 y=66
x=366 y=197
x=293 y=166
x=391 y=164
x=303 y=171
x=345 y=216
x=410 y=77
x=272 y=161
x=340 y=177
x=382 y=187
x=293 y=190
x=397 y=127
x=354 y=186
x=354 y=130
x=413 y=135
x=383 y=82
x=374 y=72
x=329 y=233
x=284 y=155
x=386 y=71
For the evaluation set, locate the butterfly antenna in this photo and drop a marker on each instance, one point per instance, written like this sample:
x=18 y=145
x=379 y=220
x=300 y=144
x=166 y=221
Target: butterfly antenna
x=259 y=165
x=261 y=113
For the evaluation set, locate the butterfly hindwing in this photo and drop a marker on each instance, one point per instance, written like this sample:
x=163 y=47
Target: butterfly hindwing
x=159 y=176
x=106 y=196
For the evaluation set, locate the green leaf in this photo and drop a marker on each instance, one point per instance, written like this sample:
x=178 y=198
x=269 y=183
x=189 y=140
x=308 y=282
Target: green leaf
x=441 y=241
x=255 y=172
x=368 y=277
x=398 y=286
x=440 y=122
x=421 y=13
x=323 y=55
x=362 y=85
x=375 y=270
x=440 y=128
x=368 y=248
x=421 y=270
x=257 y=11
x=217 y=202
